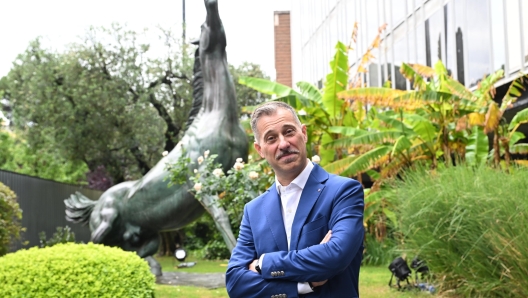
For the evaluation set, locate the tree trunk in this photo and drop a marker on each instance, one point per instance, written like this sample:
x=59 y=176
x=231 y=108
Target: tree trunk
x=496 y=147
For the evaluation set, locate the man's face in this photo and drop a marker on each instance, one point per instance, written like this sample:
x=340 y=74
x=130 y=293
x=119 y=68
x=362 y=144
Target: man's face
x=282 y=142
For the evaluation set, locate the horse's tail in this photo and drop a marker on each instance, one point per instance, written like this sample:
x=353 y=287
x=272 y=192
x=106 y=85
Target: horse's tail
x=79 y=208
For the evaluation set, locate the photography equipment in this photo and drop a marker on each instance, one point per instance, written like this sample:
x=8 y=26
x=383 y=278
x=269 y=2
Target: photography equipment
x=180 y=254
x=400 y=269
x=419 y=266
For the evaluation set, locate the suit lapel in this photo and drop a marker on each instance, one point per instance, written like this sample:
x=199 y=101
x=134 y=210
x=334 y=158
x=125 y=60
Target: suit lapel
x=273 y=211
x=311 y=192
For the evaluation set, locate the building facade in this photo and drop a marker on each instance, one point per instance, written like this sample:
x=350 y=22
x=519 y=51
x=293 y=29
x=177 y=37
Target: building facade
x=282 y=37
x=473 y=38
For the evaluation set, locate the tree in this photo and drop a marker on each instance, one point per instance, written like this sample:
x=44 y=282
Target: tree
x=247 y=96
x=104 y=101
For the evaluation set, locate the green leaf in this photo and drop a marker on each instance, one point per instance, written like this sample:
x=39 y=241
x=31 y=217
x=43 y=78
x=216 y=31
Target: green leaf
x=336 y=81
x=268 y=87
x=516 y=137
x=519 y=118
x=366 y=161
x=422 y=127
x=519 y=149
x=402 y=143
x=478 y=147
x=310 y=91
x=327 y=155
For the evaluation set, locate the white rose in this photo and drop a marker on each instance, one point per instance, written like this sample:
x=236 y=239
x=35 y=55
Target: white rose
x=200 y=160
x=253 y=175
x=195 y=171
x=239 y=160
x=250 y=157
x=165 y=153
x=316 y=159
x=238 y=166
x=198 y=186
x=218 y=172
x=206 y=153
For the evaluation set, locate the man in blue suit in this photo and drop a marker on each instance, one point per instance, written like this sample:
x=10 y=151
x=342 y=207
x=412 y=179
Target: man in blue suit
x=304 y=236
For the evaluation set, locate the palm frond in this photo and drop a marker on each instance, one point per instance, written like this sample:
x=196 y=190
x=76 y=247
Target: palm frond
x=519 y=149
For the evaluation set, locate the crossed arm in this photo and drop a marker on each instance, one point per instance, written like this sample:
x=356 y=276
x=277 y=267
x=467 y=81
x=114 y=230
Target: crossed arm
x=316 y=263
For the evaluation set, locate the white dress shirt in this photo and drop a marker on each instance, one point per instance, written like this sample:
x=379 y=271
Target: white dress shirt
x=290 y=196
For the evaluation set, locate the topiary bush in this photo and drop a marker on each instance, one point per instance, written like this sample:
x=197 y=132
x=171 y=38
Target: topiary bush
x=75 y=270
x=469 y=225
x=10 y=216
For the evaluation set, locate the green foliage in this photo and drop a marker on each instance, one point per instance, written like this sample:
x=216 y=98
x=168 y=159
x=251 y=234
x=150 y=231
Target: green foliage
x=62 y=235
x=10 y=216
x=18 y=156
x=379 y=253
x=75 y=270
x=468 y=224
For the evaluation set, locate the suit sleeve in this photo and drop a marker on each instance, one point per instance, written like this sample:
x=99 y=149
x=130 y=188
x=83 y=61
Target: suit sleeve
x=242 y=282
x=323 y=261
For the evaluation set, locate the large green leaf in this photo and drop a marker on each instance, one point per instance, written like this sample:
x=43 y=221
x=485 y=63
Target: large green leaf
x=515 y=137
x=344 y=130
x=401 y=144
x=422 y=127
x=339 y=166
x=519 y=149
x=478 y=147
x=365 y=138
x=336 y=81
x=268 y=87
x=519 y=118
x=311 y=92
x=396 y=123
x=366 y=161
x=327 y=155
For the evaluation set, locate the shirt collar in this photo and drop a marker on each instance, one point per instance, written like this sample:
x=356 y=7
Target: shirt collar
x=300 y=180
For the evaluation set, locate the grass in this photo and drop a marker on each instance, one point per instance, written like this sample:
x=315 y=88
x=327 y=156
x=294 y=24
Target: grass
x=373 y=281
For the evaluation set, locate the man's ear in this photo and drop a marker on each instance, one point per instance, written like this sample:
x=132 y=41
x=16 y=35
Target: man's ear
x=257 y=147
x=305 y=136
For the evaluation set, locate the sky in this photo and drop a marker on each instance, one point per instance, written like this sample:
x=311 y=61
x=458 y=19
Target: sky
x=248 y=24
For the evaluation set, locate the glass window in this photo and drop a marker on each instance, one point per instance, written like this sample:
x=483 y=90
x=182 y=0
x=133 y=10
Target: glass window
x=410 y=6
x=459 y=40
x=372 y=19
x=421 y=57
x=525 y=29
x=411 y=57
x=513 y=25
x=399 y=57
x=497 y=31
x=433 y=38
x=373 y=73
x=478 y=40
x=397 y=8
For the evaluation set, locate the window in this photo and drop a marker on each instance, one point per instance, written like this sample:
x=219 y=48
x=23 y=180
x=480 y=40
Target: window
x=478 y=40
x=497 y=31
x=399 y=57
x=433 y=38
x=513 y=25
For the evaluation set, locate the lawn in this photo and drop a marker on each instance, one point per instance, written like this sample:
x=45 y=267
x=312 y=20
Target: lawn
x=373 y=281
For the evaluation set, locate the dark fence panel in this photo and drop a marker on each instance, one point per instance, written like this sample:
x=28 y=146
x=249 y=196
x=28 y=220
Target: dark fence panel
x=42 y=203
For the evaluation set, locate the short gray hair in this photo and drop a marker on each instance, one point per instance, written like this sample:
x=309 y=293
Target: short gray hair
x=267 y=109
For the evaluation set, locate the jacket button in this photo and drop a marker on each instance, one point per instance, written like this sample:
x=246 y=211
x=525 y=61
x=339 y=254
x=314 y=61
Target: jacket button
x=282 y=273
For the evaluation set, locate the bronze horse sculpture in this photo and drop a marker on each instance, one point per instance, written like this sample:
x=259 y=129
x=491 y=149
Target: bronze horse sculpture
x=131 y=214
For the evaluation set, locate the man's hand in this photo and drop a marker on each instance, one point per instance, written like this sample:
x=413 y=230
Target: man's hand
x=326 y=237
x=253 y=264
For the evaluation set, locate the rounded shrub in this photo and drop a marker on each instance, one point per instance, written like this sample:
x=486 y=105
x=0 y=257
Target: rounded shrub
x=75 y=270
x=10 y=216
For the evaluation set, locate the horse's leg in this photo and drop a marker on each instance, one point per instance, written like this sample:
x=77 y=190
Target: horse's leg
x=107 y=215
x=147 y=250
x=221 y=220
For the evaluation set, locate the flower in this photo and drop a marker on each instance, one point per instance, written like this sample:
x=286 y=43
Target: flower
x=253 y=175
x=206 y=153
x=302 y=113
x=316 y=159
x=238 y=166
x=250 y=157
x=218 y=172
x=200 y=160
x=195 y=171
x=239 y=160
x=198 y=186
x=165 y=153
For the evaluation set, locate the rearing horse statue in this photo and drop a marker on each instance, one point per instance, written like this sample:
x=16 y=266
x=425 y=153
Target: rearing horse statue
x=131 y=214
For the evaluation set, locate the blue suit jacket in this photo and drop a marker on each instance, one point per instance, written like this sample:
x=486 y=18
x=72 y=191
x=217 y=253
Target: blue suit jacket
x=328 y=202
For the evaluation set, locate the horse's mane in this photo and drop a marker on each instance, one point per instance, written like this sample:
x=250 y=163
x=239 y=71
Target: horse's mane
x=198 y=86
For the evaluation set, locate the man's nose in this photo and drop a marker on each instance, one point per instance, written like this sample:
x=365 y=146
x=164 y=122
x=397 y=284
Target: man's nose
x=283 y=143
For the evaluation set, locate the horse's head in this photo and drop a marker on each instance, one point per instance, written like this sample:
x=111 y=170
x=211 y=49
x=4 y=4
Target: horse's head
x=212 y=30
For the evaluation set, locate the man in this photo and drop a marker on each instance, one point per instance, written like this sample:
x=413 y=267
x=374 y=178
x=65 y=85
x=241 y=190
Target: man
x=303 y=237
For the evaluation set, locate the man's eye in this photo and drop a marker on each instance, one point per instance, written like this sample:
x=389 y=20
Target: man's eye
x=289 y=131
x=270 y=139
